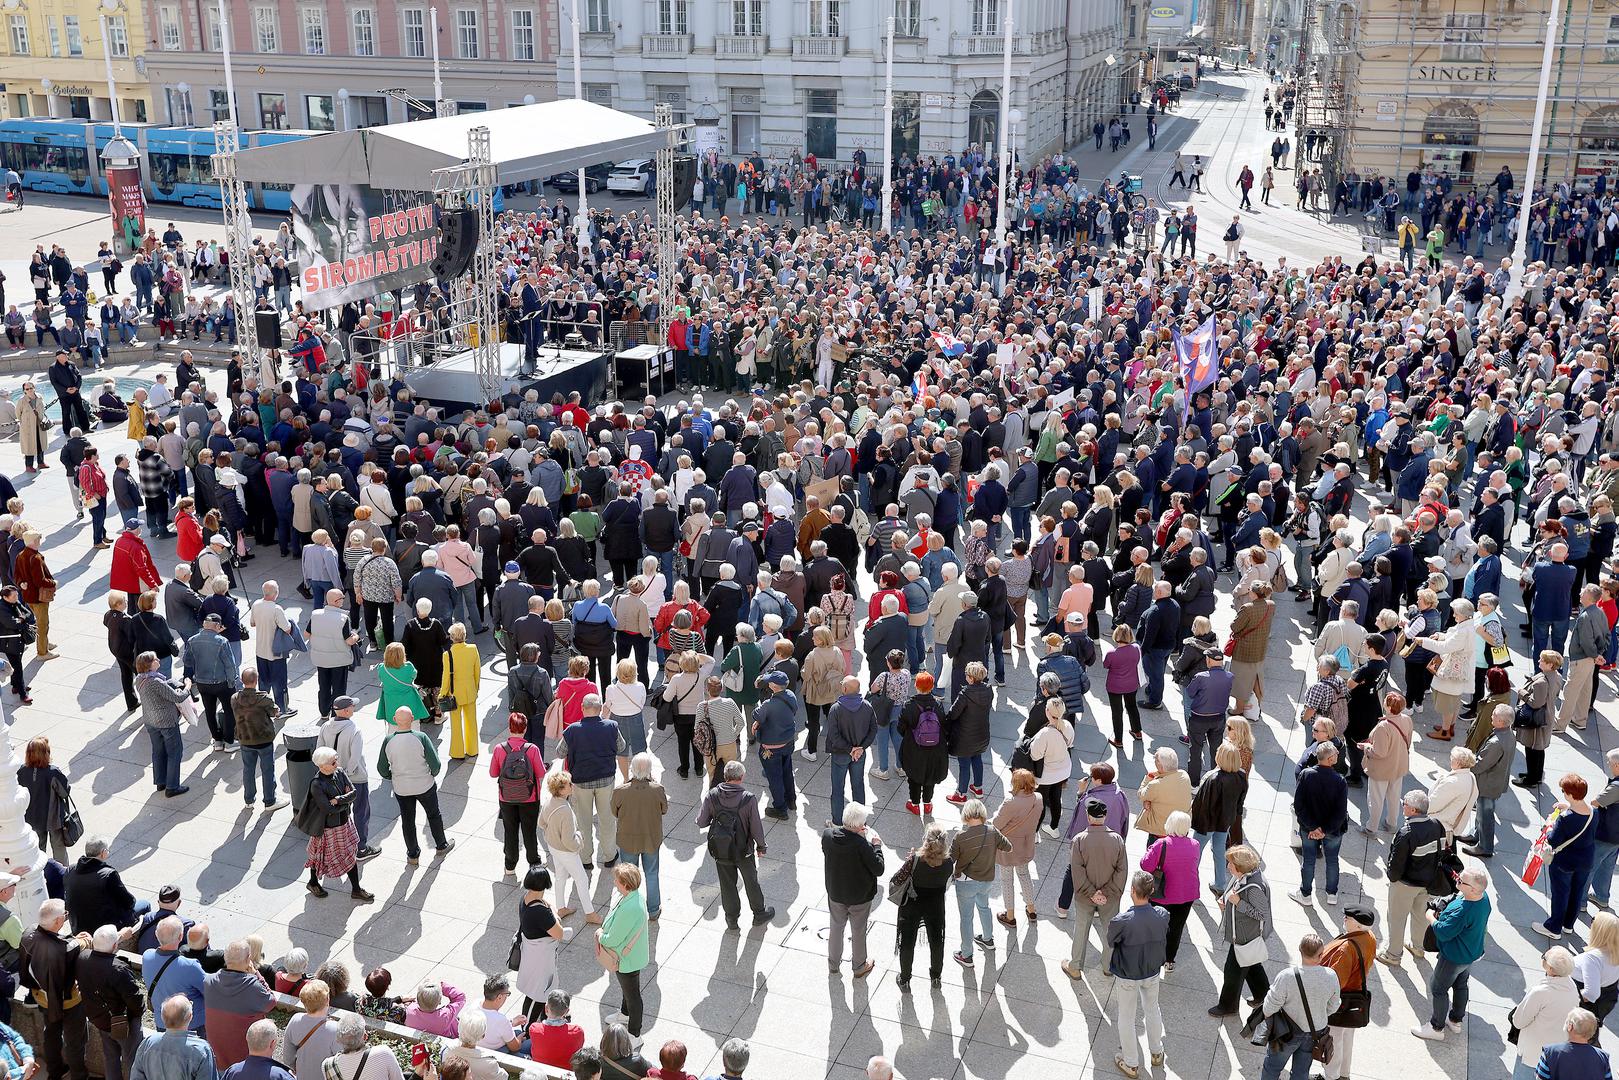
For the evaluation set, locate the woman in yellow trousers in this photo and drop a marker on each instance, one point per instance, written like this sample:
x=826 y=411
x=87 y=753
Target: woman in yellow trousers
x=462 y=668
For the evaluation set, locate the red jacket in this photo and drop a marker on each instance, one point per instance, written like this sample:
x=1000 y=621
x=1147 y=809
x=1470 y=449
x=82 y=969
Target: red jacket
x=133 y=570
x=32 y=575
x=188 y=543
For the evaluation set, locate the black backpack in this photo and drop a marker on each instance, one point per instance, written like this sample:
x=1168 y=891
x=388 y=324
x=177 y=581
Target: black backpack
x=727 y=837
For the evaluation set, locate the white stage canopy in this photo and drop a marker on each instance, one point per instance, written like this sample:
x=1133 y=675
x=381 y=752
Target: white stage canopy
x=527 y=142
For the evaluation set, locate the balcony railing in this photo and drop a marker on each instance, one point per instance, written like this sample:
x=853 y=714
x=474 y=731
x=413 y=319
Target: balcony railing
x=665 y=44
x=740 y=46
x=816 y=47
x=989 y=44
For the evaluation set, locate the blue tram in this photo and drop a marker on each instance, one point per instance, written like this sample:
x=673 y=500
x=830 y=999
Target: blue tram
x=64 y=156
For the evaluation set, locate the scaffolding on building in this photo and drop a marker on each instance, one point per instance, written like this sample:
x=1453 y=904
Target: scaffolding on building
x=1323 y=111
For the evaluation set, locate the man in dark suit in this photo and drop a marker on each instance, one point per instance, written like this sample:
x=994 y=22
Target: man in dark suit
x=993 y=603
x=1195 y=595
x=95 y=895
x=1157 y=634
x=1490 y=518
x=883 y=635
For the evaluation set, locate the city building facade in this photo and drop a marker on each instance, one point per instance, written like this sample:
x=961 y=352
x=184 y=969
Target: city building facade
x=1413 y=84
x=325 y=65
x=778 y=76
x=55 y=59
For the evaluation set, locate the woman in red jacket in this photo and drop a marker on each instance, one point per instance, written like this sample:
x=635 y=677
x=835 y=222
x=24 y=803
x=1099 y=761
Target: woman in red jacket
x=188 y=543
x=133 y=570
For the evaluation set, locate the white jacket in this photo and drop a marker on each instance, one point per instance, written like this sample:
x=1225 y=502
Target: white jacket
x=1540 y=1015
x=1452 y=799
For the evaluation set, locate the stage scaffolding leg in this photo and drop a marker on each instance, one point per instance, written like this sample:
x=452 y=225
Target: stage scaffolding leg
x=472 y=185
x=667 y=226
x=239 y=244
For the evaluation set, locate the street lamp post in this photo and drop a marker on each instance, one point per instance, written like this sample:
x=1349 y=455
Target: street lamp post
x=582 y=219
x=1520 y=246
x=888 y=136
x=1005 y=154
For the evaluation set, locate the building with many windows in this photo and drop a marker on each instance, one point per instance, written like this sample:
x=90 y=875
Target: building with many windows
x=328 y=65
x=1407 y=84
x=55 y=58
x=774 y=76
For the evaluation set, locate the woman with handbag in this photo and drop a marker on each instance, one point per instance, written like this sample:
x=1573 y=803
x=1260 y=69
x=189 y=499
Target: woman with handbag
x=1387 y=756
x=1533 y=721
x=622 y=944
x=399 y=677
x=1018 y=819
x=327 y=817
x=920 y=896
x=1454 y=651
x=1173 y=860
x=1571 y=852
x=16 y=634
x=1245 y=923
x=1349 y=955
x=1537 y=1021
x=50 y=798
x=539 y=933
x=458 y=695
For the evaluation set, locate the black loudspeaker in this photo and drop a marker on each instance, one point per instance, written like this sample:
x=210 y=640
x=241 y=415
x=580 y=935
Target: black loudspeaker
x=458 y=242
x=685 y=178
x=268 y=324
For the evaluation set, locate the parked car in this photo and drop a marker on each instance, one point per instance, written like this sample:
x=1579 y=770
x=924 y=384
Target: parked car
x=595 y=178
x=633 y=177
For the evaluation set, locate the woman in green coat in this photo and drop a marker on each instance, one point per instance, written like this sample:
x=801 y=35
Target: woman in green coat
x=747 y=658
x=624 y=933
x=398 y=678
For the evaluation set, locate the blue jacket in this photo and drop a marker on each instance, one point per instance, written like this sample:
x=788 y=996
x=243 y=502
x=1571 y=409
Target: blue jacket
x=593 y=746
x=180 y=975
x=1075 y=679
x=1139 y=937
x=777 y=717
x=1321 y=801
x=208 y=660
x=1413 y=477
x=1554 y=590
x=1460 y=929
x=1483 y=577
x=1209 y=692
x=989 y=501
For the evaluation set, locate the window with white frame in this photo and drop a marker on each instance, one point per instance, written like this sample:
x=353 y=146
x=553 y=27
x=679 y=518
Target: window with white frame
x=19 y=34
x=266 y=31
x=415 y=44
x=672 y=16
x=908 y=18
x=1610 y=53
x=523 y=34
x=363 y=22
x=313 y=23
x=825 y=18
x=117 y=36
x=75 y=38
x=468 y=42
x=598 y=17
x=986 y=16
x=168 y=27
x=748 y=18
x=1463 y=36
x=215 y=35
x=53 y=35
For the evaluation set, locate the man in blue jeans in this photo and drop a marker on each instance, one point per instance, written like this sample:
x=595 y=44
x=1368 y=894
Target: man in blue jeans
x=1606 y=805
x=851 y=727
x=1492 y=768
x=974 y=849
x=1321 y=804
x=1157 y=633
x=1459 y=929
x=775 y=729
x=256 y=713
x=1306 y=994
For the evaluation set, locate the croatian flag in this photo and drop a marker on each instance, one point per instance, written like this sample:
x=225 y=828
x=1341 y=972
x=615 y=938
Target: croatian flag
x=948 y=343
x=919 y=383
x=1199 y=359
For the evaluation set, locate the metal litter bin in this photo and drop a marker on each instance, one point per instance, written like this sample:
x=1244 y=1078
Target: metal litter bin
x=301 y=739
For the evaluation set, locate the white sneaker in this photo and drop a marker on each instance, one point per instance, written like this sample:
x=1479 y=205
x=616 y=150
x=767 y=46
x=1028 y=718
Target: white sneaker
x=1300 y=898
x=809 y=755
x=1423 y=1031
x=1453 y=1025
x=881 y=774
x=1543 y=930
x=1332 y=899
x=1048 y=831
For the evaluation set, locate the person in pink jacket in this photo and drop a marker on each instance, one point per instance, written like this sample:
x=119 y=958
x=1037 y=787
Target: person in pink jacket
x=1176 y=855
x=436 y=1010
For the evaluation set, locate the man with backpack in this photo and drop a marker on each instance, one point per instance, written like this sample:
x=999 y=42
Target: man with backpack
x=730 y=813
x=517 y=766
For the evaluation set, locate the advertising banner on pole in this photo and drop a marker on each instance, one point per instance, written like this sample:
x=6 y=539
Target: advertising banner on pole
x=128 y=206
x=354 y=242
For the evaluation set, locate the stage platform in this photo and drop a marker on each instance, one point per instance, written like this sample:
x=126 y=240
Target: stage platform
x=453 y=383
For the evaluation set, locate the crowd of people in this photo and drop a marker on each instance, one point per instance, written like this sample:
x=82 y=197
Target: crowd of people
x=901 y=466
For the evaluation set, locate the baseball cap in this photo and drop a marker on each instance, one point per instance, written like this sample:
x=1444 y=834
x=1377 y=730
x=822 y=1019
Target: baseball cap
x=776 y=678
x=344 y=702
x=219 y=538
x=213 y=617
x=513 y=568
x=1213 y=654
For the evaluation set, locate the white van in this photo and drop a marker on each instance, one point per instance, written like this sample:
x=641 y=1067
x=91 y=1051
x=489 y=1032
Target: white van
x=632 y=177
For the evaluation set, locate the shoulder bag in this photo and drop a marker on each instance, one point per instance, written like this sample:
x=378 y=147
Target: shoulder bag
x=1354 y=1006
x=72 y=825
x=1254 y=951
x=880 y=702
x=611 y=959
x=1320 y=1039
x=902 y=887
x=447 y=702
